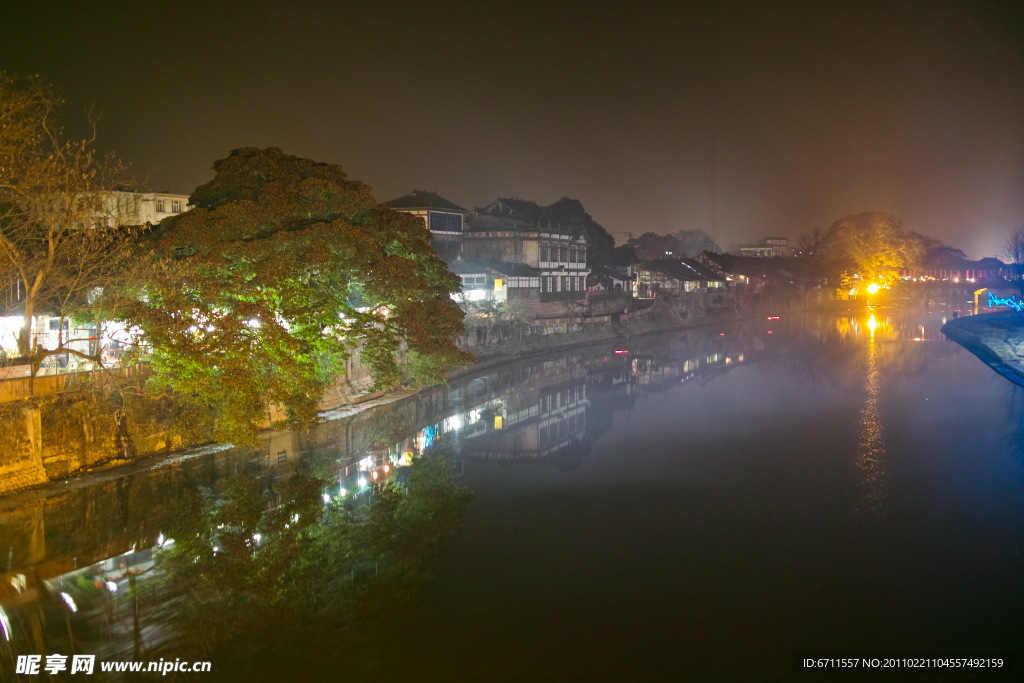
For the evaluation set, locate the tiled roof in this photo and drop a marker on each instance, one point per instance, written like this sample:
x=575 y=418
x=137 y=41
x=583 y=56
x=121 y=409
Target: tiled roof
x=680 y=269
x=486 y=221
x=521 y=208
x=514 y=269
x=460 y=267
x=421 y=199
x=702 y=272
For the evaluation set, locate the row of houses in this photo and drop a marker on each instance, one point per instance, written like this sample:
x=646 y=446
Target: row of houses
x=511 y=249
x=514 y=249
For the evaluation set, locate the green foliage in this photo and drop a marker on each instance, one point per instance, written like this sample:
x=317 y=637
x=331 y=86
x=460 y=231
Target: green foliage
x=281 y=271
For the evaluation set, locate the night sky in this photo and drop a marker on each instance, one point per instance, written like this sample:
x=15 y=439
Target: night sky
x=745 y=120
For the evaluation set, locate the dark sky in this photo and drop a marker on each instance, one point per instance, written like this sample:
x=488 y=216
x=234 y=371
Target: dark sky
x=746 y=119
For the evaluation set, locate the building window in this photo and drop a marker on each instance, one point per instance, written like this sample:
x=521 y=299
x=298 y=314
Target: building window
x=175 y=206
x=160 y=208
x=282 y=456
x=439 y=221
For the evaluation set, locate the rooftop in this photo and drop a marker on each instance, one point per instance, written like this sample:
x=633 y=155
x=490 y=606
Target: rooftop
x=422 y=199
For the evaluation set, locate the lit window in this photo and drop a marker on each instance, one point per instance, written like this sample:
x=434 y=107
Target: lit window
x=160 y=207
x=175 y=206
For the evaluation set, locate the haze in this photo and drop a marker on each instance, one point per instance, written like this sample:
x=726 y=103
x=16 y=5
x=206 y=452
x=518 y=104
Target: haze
x=744 y=120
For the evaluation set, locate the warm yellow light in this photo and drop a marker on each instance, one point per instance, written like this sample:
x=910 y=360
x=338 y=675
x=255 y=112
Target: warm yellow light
x=872 y=288
x=497 y=284
x=497 y=422
x=872 y=324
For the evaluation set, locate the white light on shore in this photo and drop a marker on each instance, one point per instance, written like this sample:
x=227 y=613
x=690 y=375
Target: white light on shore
x=70 y=602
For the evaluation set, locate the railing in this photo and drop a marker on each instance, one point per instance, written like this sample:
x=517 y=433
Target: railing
x=16 y=388
x=562 y=296
x=25 y=387
x=595 y=296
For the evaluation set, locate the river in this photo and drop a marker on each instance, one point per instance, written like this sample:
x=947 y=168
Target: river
x=702 y=503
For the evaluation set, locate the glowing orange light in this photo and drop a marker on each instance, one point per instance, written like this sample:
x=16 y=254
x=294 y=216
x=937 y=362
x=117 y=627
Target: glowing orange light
x=374 y=476
x=872 y=288
x=387 y=468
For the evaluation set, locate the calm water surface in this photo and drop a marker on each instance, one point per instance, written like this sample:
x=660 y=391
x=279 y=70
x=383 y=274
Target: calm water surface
x=703 y=503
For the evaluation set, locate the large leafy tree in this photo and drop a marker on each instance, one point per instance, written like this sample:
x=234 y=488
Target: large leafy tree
x=283 y=269
x=62 y=234
x=870 y=245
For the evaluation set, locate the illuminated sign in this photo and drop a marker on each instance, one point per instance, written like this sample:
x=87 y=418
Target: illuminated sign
x=1012 y=302
x=497 y=284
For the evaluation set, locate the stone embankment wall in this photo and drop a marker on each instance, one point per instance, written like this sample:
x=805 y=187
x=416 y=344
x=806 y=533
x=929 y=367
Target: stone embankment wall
x=620 y=319
x=49 y=438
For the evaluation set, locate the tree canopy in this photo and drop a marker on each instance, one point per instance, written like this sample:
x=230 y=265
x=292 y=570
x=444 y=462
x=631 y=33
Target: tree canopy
x=1013 y=249
x=282 y=270
x=872 y=246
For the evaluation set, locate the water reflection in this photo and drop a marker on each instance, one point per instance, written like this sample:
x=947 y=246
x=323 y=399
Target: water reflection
x=247 y=565
x=240 y=539
x=871 y=443
x=116 y=568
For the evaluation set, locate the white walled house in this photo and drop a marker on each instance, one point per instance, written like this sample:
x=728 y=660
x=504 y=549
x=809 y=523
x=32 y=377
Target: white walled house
x=121 y=207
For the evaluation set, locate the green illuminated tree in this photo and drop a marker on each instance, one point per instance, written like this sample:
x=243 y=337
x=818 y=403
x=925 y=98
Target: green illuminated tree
x=283 y=269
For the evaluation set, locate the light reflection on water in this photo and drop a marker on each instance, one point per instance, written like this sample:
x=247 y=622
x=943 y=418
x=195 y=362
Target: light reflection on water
x=871 y=441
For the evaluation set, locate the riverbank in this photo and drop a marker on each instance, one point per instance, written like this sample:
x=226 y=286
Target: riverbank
x=997 y=339
x=46 y=460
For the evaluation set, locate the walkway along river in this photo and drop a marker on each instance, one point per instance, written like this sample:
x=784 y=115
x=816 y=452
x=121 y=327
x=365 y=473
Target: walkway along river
x=706 y=502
